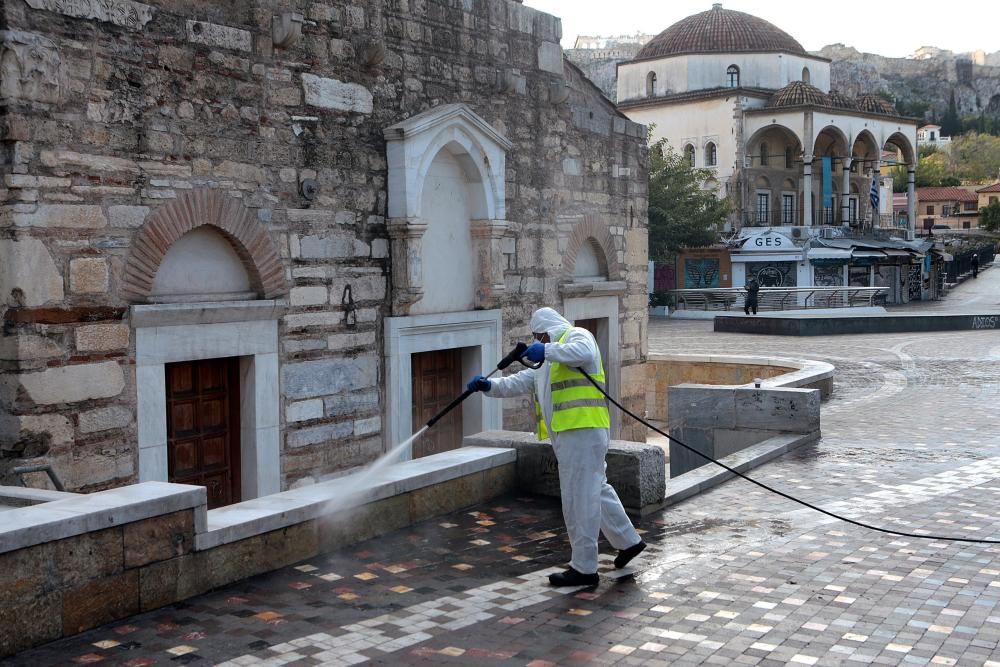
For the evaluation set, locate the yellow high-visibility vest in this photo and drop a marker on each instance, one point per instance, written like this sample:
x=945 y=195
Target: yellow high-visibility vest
x=576 y=403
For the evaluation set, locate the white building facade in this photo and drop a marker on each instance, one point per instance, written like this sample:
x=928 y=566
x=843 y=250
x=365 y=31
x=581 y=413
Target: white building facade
x=743 y=99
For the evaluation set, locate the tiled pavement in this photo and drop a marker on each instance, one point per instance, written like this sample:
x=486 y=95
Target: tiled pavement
x=735 y=576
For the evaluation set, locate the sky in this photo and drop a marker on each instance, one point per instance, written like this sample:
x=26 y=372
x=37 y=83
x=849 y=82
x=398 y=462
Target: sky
x=892 y=29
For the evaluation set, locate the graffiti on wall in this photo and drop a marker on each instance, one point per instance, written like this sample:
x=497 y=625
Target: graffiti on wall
x=914 y=281
x=773 y=274
x=702 y=272
x=829 y=275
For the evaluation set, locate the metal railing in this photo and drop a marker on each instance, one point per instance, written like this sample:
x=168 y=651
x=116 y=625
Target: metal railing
x=825 y=216
x=780 y=298
x=46 y=468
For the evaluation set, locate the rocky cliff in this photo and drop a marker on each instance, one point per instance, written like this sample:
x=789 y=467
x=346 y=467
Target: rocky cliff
x=918 y=83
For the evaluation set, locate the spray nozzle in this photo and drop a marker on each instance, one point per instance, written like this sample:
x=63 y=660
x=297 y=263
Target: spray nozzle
x=512 y=356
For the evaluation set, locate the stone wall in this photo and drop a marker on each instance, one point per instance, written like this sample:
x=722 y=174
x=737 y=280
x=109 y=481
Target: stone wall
x=718 y=421
x=112 y=111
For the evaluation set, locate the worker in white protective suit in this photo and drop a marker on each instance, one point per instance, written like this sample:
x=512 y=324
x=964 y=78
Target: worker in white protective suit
x=575 y=414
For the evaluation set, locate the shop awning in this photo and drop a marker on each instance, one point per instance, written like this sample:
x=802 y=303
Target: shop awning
x=867 y=254
x=771 y=257
x=829 y=253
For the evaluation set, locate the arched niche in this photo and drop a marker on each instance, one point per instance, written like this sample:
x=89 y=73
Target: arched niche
x=591 y=255
x=227 y=217
x=201 y=266
x=447 y=155
x=591 y=265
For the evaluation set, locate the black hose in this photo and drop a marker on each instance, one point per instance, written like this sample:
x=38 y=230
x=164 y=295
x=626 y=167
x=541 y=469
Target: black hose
x=776 y=491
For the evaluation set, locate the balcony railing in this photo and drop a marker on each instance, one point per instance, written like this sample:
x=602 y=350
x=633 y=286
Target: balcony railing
x=780 y=298
x=822 y=217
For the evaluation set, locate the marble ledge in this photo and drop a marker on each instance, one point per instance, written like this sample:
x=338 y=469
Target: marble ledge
x=56 y=520
x=280 y=510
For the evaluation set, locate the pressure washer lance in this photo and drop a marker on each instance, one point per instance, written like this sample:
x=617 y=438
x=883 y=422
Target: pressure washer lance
x=517 y=354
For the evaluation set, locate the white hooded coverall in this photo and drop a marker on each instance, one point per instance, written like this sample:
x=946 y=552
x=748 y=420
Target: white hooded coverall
x=589 y=503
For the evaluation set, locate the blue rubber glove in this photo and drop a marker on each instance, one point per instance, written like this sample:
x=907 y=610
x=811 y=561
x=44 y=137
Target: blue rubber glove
x=479 y=383
x=536 y=352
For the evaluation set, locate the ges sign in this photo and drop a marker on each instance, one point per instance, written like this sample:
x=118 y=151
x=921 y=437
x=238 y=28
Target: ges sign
x=769 y=242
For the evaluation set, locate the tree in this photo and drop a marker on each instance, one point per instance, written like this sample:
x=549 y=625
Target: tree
x=683 y=212
x=933 y=169
x=975 y=157
x=951 y=125
x=989 y=217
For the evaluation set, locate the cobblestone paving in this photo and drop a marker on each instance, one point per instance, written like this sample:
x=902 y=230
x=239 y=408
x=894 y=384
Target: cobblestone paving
x=735 y=576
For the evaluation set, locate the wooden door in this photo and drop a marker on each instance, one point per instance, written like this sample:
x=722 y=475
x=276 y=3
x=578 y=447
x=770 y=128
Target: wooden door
x=437 y=381
x=598 y=327
x=203 y=427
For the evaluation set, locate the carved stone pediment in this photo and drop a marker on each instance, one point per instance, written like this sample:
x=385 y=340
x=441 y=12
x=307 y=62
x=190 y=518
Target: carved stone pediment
x=29 y=67
x=124 y=13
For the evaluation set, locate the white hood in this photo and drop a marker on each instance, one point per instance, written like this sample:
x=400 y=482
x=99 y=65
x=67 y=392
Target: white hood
x=546 y=320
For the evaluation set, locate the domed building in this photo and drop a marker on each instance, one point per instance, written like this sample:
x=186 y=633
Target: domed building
x=742 y=98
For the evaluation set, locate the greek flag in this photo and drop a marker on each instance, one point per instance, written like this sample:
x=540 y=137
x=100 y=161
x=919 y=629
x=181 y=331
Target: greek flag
x=874 y=195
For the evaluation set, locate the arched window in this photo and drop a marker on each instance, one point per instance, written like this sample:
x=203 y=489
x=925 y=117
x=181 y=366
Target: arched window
x=763 y=154
x=651 y=84
x=805 y=75
x=711 y=155
x=689 y=154
x=733 y=74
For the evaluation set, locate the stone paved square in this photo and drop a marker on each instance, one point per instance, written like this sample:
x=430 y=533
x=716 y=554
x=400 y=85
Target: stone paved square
x=734 y=576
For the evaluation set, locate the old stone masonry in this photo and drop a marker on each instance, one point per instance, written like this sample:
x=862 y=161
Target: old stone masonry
x=248 y=246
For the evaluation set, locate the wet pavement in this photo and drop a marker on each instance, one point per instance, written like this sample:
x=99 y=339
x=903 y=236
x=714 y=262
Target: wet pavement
x=734 y=576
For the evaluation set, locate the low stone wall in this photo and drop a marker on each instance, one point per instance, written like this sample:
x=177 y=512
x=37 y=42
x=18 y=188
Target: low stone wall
x=636 y=470
x=667 y=370
x=776 y=325
x=70 y=565
x=722 y=420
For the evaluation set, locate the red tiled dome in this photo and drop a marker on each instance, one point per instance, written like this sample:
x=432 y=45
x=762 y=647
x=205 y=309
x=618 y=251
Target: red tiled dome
x=798 y=93
x=876 y=104
x=720 y=31
x=841 y=101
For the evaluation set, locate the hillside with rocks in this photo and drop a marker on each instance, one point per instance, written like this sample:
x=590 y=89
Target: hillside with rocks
x=917 y=84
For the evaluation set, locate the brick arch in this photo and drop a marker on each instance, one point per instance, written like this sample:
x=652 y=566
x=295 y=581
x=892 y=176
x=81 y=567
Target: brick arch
x=598 y=235
x=193 y=209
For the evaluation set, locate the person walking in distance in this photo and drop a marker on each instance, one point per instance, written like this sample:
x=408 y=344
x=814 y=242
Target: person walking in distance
x=574 y=414
x=975 y=266
x=753 y=287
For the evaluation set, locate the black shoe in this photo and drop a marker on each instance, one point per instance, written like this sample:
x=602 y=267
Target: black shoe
x=573 y=578
x=626 y=555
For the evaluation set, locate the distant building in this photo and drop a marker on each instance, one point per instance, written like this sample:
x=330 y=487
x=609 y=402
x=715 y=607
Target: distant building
x=930 y=135
x=953 y=207
x=596 y=42
x=739 y=96
x=988 y=195
x=928 y=52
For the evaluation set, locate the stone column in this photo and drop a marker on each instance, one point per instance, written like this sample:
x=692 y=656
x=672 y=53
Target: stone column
x=911 y=199
x=807 y=190
x=406 y=238
x=845 y=192
x=487 y=244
